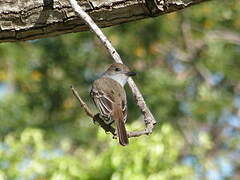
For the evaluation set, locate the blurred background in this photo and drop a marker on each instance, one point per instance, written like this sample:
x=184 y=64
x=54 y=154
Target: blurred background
x=188 y=66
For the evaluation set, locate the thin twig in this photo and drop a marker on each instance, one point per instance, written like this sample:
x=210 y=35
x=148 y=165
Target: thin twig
x=82 y=103
x=148 y=117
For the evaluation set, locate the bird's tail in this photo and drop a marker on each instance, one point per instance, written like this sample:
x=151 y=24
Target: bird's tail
x=120 y=125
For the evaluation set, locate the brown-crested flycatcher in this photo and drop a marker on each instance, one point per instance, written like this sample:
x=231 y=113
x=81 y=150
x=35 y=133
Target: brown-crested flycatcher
x=109 y=97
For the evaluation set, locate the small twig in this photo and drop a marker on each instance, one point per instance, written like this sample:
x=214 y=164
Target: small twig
x=148 y=117
x=82 y=103
x=137 y=133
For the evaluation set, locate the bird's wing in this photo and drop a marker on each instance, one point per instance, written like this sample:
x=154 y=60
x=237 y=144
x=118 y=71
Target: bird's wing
x=103 y=101
x=124 y=107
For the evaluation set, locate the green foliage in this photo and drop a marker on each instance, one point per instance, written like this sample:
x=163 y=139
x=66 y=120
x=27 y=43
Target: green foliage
x=188 y=64
x=29 y=156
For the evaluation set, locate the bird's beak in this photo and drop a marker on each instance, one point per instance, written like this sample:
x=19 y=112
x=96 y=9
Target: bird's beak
x=131 y=73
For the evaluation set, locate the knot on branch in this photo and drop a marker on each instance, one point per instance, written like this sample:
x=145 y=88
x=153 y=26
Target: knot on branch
x=158 y=7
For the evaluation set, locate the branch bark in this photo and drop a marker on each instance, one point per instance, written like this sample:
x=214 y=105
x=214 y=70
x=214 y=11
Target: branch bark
x=33 y=19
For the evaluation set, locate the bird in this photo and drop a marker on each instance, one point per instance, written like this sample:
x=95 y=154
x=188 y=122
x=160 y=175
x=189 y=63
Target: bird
x=109 y=97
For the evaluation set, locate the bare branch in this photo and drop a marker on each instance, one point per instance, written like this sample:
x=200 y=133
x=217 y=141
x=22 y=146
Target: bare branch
x=225 y=35
x=138 y=133
x=82 y=103
x=148 y=117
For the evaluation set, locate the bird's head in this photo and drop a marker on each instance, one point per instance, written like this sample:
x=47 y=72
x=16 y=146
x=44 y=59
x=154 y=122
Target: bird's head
x=119 y=72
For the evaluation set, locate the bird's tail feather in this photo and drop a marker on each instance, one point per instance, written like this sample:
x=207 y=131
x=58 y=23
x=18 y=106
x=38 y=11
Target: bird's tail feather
x=120 y=125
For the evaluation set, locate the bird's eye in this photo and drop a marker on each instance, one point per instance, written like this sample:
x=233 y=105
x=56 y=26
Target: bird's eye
x=117 y=69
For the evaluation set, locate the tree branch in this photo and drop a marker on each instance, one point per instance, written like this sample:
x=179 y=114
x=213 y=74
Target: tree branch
x=27 y=19
x=148 y=117
x=82 y=103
